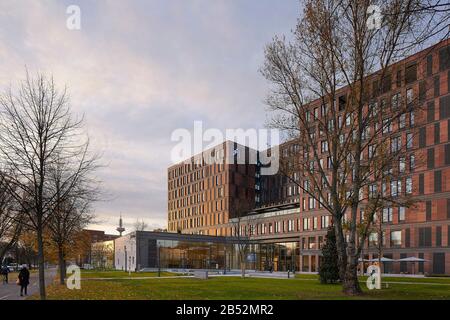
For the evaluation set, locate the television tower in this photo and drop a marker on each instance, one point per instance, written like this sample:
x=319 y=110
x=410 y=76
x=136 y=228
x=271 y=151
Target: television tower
x=120 y=228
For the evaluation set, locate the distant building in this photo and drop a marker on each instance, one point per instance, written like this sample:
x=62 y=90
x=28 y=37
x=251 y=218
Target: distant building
x=202 y=196
x=102 y=255
x=94 y=236
x=99 y=236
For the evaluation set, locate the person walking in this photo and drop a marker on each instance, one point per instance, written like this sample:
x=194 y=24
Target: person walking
x=5 y=271
x=24 y=280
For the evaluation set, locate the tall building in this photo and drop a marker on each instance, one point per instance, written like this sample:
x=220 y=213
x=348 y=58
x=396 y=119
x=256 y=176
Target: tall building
x=205 y=190
x=289 y=226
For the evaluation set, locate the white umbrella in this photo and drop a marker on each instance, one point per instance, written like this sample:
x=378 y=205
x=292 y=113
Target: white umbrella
x=412 y=259
x=361 y=260
x=383 y=259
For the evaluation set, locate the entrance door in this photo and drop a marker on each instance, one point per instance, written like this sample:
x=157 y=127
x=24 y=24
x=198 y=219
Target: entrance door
x=313 y=264
x=439 y=263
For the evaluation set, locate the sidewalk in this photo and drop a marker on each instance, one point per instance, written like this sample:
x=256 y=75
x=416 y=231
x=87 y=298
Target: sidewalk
x=11 y=291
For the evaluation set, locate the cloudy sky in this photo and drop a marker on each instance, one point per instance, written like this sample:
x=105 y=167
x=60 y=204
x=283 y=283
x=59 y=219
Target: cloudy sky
x=139 y=70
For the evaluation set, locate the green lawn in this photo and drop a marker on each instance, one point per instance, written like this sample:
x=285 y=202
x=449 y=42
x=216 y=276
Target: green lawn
x=121 y=274
x=236 y=288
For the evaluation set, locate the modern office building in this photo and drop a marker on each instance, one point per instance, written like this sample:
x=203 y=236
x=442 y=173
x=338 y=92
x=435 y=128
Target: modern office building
x=146 y=250
x=289 y=226
x=152 y=250
x=203 y=191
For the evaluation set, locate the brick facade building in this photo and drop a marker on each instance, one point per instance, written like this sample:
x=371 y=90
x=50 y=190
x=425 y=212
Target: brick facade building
x=290 y=226
x=204 y=190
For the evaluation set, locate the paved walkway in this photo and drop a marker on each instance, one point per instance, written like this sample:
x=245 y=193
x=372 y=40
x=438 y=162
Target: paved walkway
x=11 y=291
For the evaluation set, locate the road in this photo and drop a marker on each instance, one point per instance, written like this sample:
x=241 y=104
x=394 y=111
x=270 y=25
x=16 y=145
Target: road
x=11 y=291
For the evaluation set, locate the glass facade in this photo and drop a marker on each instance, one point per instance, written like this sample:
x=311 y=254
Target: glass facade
x=175 y=254
x=282 y=256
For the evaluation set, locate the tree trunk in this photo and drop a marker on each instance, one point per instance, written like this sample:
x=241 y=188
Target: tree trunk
x=62 y=265
x=243 y=269
x=351 y=285
x=41 y=261
x=341 y=249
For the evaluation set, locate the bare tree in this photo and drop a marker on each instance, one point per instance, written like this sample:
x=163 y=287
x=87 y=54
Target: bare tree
x=37 y=130
x=345 y=155
x=10 y=225
x=140 y=225
x=75 y=191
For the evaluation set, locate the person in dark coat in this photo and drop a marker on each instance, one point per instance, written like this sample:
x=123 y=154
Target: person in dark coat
x=5 y=271
x=24 y=280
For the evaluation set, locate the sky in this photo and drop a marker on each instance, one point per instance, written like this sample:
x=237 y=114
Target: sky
x=138 y=70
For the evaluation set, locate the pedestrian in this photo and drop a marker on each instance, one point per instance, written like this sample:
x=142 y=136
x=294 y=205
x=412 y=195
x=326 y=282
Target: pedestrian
x=5 y=271
x=23 y=280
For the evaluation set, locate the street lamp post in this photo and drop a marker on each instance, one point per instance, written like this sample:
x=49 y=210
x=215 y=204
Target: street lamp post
x=159 y=261
x=125 y=260
x=129 y=266
x=225 y=260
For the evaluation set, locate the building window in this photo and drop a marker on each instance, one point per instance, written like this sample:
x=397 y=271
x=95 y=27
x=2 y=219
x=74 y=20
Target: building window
x=395 y=101
x=396 y=144
x=438 y=236
x=425 y=237
x=371 y=151
x=324 y=221
x=312 y=203
x=409 y=96
x=444 y=58
x=396 y=188
x=408 y=185
x=409 y=140
x=411 y=119
x=396 y=238
x=312 y=243
x=372 y=190
x=348 y=120
x=373 y=239
x=411 y=73
x=438 y=181
x=430 y=158
x=316 y=113
x=429 y=65
x=401 y=165
x=412 y=162
x=305 y=224
x=401 y=213
x=387 y=214
x=387 y=126
x=402 y=121
x=290 y=225
x=447 y=150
